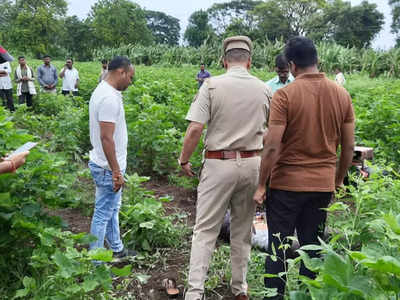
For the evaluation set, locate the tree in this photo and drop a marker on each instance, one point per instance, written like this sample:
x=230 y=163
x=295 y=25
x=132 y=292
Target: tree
x=395 y=4
x=77 y=38
x=37 y=25
x=354 y=26
x=233 y=17
x=199 y=30
x=118 y=22
x=271 y=22
x=165 y=28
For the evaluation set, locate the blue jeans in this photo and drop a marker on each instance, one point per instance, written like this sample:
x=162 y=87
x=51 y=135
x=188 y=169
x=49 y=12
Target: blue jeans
x=105 y=222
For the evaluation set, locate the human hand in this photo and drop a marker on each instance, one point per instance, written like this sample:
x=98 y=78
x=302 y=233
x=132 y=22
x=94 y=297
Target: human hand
x=260 y=195
x=118 y=180
x=187 y=170
x=18 y=159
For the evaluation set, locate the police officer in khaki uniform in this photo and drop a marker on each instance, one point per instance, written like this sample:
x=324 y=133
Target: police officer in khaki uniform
x=235 y=107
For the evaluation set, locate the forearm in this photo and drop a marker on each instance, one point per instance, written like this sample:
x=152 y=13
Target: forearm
x=5 y=167
x=109 y=151
x=190 y=143
x=346 y=157
x=269 y=158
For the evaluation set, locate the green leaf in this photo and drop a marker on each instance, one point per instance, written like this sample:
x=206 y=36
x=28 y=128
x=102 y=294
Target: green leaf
x=67 y=267
x=89 y=285
x=125 y=271
x=311 y=248
x=148 y=225
x=299 y=295
x=387 y=264
x=142 y=278
x=101 y=254
x=21 y=293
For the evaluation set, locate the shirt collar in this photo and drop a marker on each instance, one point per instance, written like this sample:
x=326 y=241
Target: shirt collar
x=311 y=76
x=238 y=70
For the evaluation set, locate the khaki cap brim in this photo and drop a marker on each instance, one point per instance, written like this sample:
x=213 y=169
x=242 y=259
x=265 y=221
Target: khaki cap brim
x=237 y=42
x=237 y=45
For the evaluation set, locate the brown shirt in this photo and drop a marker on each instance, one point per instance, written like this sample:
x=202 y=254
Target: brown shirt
x=235 y=107
x=313 y=109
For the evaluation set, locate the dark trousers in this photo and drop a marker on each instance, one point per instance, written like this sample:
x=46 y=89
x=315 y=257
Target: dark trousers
x=25 y=97
x=65 y=93
x=287 y=211
x=7 y=95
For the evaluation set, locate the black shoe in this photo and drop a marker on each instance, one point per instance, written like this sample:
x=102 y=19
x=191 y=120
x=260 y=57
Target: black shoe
x=124 y=254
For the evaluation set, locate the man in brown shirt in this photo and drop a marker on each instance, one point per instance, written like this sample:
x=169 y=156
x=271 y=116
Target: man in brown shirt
x=309 y=119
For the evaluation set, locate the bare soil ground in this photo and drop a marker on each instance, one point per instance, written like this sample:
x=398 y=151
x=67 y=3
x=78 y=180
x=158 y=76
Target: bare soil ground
x=172 y=263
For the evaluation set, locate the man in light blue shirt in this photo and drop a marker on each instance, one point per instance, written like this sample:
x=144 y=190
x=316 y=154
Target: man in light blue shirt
x=284 y=77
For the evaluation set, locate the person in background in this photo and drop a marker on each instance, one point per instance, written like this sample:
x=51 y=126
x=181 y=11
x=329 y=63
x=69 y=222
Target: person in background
x=24 y=78
x=229 y=175
x=107 y=159
x=70 y=77
x=309 y=119
x=202 y=75
x=339 y=78
x=11 y=164
x=47 y=76
x=6 y=92
x=104 y=70
x=284 y=77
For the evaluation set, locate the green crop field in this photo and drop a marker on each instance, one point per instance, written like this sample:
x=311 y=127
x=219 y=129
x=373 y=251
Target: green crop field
x=43 y=254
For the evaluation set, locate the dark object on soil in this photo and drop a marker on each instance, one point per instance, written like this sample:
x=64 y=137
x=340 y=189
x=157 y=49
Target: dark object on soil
x=170 y=288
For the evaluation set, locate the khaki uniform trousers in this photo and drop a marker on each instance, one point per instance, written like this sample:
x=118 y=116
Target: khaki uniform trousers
x=223 y=184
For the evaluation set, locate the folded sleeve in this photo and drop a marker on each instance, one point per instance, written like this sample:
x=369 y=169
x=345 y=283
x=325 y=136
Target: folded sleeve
x=108 y=110
x=200 y=108
x=278 y=109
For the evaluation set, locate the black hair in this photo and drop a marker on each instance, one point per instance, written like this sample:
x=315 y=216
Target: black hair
x=19 y=57
x=237 y=55
x=104 y=61
x=301 y=51
x=281 y=62
x=119 y=62
x=46 y=55
x=70 y=58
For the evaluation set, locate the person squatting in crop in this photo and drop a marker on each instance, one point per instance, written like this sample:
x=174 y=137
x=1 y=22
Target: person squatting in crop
x=236 y=122
x=309 y=119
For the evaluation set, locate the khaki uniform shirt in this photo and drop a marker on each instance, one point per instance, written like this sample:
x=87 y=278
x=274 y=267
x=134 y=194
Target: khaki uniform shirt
x=235 y=107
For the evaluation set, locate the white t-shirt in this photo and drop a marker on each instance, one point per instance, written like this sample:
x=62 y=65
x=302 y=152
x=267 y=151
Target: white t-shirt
x=106 y=106
x=69 y=80
x=340 y=80
x=5 y=82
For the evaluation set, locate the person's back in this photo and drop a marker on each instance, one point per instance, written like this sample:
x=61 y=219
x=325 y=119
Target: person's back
x=316 y=110
x=238 y=106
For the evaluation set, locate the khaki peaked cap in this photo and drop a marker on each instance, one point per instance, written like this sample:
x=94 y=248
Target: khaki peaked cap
x=238 y=42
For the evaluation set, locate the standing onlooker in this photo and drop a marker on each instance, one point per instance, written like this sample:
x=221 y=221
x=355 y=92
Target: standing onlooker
x=234 y=106
x=104 y=70
x=6 y=85
x=70 y=77
x=109 y=139
x=284 y=77
x=202 y=75
x=25 y=82
x=47 y=76
x=309 y=119
x=339 y=78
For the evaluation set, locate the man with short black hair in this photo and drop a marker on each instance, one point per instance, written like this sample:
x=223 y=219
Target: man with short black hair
x=283 y=77
x=202 y=75
x=235 y=107
x=47 y=76
x=70 y=77
x=24 y=77
x=109 y=139
x=309 y=119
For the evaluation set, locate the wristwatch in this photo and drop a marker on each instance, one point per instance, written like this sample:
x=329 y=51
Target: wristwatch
x=182 y=163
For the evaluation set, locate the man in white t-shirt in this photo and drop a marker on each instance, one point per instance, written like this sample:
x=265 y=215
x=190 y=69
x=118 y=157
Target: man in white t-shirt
x=109 y=139
x=339 y=78
x=70 y=77
x=6 y=85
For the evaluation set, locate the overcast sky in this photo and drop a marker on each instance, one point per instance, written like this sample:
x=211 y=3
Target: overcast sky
x=182 y=9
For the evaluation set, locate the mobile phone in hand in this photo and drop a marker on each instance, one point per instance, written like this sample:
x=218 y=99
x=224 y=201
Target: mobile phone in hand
x=25 y=147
